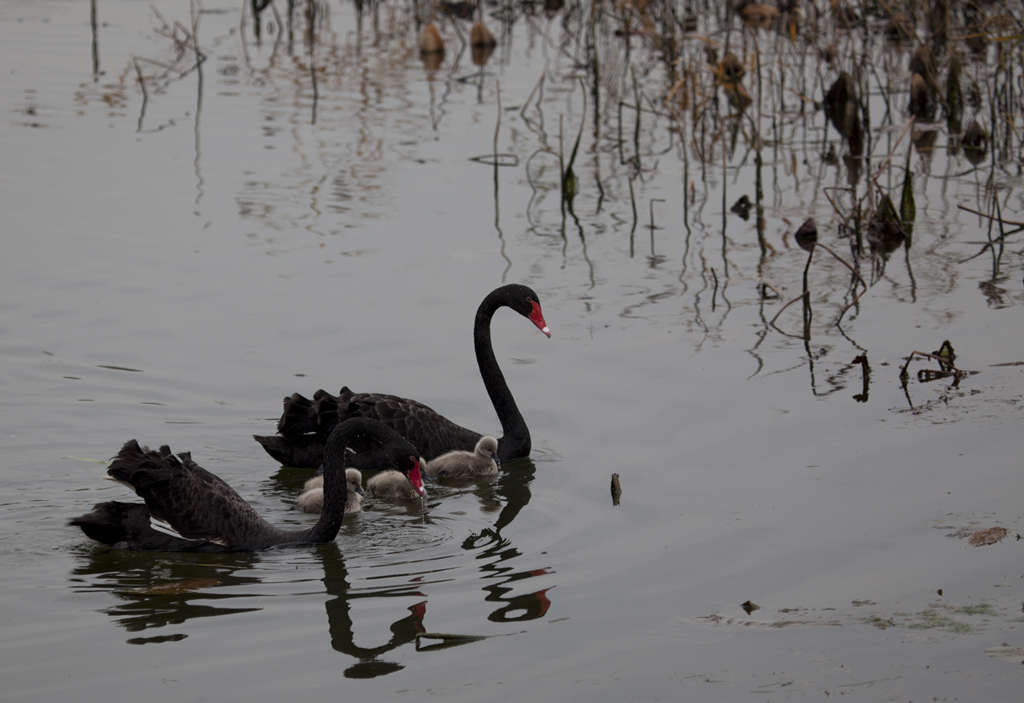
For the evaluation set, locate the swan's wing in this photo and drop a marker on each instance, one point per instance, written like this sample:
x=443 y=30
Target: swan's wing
x=431 y=433
x=194 y=503
x=305 y=422
x=305 y=450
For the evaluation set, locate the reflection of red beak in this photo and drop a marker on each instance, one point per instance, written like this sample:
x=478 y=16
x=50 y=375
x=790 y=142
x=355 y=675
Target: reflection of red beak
x=542 y=597
x=415 y=479
x=537 y=318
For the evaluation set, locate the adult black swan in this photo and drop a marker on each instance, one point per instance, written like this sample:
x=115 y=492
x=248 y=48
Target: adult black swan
x=304 y=423
x=188 y=508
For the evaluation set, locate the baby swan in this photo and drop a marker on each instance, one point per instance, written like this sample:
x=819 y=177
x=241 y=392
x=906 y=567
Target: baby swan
x=460 y=464
x=312 y=498
x=387 y=486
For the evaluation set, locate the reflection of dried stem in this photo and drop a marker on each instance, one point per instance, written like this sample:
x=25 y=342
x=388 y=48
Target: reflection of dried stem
x=865 y=374
x=636 y=218
x=185 y=41
x=497 y=211
x=714 y=290
x=998 y=240
x=805 y=295
x=535 y=127
x=145 y=93
x=95 y=40
x=945 y=357
x=771 y=322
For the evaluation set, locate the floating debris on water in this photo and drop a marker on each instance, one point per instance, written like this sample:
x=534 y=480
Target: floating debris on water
x=983 y=538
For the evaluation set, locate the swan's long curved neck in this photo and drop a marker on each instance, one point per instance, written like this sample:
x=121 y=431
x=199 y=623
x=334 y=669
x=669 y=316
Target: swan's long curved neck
x=515 y=441
x=335 y=497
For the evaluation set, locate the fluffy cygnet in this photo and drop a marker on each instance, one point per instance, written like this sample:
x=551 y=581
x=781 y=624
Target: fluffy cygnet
x=460 y=464
x=312 y=498
x=392 y=485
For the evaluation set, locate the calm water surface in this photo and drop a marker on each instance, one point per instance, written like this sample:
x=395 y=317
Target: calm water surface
x=174 y=266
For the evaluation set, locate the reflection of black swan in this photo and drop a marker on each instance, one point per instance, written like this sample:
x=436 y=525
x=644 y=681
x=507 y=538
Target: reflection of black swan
x=188 y=508
x=460 y=464
x=304 y=422
x=312 y=498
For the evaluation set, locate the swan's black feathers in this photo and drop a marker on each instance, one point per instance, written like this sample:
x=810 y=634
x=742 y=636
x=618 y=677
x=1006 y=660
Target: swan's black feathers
x=431 y=433
x=196 y=503
x=327 y=411
x=129 y=525
x=297 y=417
x=305 y=450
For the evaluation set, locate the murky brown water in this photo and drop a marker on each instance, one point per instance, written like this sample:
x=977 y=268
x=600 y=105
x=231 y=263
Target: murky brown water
x=174 y=266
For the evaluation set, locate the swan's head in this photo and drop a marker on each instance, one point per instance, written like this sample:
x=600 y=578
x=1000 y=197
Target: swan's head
x=405 y=458
x=526 y=302
x=410 y=466
x=487 y=447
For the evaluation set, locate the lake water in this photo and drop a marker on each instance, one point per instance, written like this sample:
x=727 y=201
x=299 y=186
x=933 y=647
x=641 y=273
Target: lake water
x=293 y=217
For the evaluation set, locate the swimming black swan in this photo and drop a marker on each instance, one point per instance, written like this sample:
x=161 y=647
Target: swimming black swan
x=312 y=498
x=460 y=464
x=190 y=509
x=304 y=422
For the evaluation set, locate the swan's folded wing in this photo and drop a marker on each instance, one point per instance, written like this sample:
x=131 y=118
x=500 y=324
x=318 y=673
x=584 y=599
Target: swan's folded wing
x=196 y=503
x=431 y=433
x=301 y=451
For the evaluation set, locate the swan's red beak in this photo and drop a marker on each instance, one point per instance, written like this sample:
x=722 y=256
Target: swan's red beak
x=415 y=478
x=537 y=318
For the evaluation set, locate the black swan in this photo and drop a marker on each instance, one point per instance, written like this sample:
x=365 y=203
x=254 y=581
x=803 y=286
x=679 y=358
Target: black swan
x=188 y=508
x=312 y=498
x=460 y=464
x=305 y=422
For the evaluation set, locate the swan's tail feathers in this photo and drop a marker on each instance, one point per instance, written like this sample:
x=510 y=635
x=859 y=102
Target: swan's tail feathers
x=325 y=411
x=302 y=415
x=131 y=525
x=304 y=451
x=298 y=416
x=113 y=522
x=142 y=469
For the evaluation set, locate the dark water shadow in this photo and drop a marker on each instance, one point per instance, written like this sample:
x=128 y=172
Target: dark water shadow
x=155 y=590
